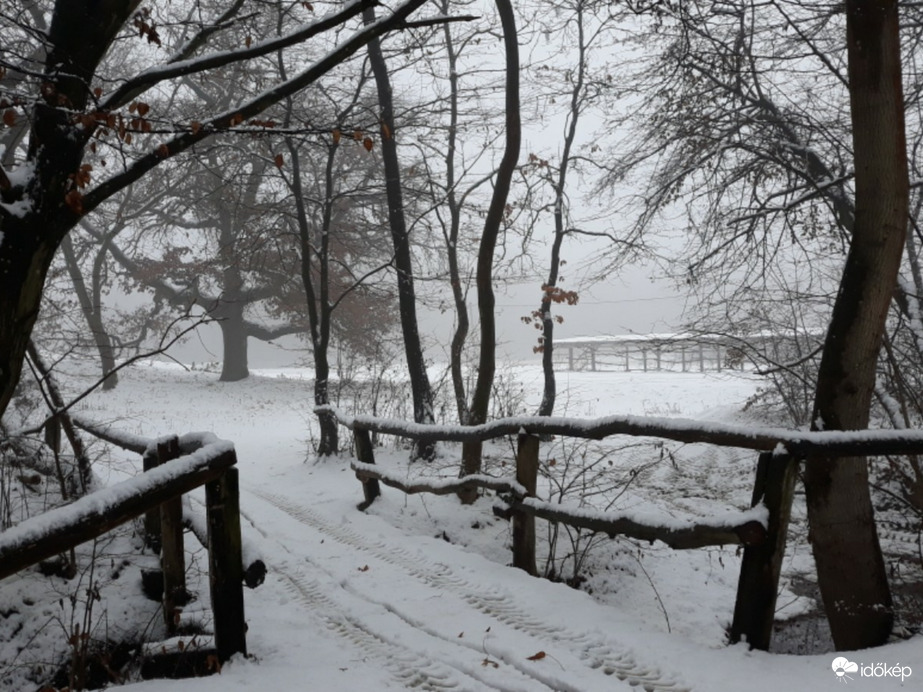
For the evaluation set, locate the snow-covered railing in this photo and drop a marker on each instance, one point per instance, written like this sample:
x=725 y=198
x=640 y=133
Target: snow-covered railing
x=730 y=528
x=253 y=564
x=761 y=530
x=173 y=467
x=518 y=494
x=798 y=443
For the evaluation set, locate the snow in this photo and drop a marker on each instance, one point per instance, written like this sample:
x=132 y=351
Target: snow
x=416 y=592
x=98 y=503
x=749 y=436
x=728 y=519
x=20 y=208
x=21 y=175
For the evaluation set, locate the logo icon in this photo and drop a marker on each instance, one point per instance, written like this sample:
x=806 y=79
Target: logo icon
x=842 y=666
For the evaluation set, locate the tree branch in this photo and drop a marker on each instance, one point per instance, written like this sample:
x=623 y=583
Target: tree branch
x=226 y=120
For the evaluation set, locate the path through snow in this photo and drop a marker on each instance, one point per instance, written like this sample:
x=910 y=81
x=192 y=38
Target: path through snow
x=381 y=600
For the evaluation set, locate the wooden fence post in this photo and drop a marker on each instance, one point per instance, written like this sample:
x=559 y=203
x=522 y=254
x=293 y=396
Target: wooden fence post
x=225 y=564
x=523 y=523
x=366 y=454
x=149 y=461
x=172 y=559
x=758 y=586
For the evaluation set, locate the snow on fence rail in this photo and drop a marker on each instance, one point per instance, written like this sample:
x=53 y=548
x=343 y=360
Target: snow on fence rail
x=731 y=528
x=799 y=443
x=173 y=466
x=761 y=530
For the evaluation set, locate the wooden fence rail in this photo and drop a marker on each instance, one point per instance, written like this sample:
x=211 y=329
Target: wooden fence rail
x=761 y=530
x=795 y=443
x=207 y=461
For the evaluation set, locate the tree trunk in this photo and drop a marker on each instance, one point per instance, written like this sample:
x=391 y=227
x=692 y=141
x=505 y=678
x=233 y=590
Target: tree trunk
x=480 y=398
x=23 y=267
x=234 y=365
x=549 y=391
x=416 y=364
x=850 y=567
x=92 y=312
x=317 y=296
x=79 y=34
x=329 y=429
x=462 y=325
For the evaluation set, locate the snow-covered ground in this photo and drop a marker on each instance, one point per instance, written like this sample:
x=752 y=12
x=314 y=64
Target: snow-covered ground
x=416 y=592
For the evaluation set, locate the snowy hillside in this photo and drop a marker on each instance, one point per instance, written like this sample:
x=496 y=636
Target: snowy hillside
x=416 y=593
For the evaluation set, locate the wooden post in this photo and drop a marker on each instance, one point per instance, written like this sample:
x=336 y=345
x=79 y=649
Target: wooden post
x=172 y=559
x=366 y=454
x=758 y=586
x=644 y=357
x=149 y=461
x=225 y=564
x=593 y=360
x=524 y=524
x=570 y=358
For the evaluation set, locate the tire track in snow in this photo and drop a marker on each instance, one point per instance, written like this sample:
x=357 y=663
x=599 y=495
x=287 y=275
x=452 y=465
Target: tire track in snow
x=596 y=652
x=411 y=670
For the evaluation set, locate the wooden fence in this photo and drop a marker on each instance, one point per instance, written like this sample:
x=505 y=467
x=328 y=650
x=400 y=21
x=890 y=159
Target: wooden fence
x=761 y=531
x=173 y=466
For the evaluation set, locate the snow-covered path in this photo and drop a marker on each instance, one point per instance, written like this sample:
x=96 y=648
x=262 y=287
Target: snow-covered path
x=448 y=628
x=383 y=600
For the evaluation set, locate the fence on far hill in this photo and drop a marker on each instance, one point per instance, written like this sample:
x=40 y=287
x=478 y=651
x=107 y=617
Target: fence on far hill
x=680 y=352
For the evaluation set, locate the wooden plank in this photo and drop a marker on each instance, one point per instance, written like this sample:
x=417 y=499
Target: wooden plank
x=440 y=486
x=172 y=557
x=758 y=586
x=692 y=534
x=524 y=523
x=151 y=460
x=225 y=564
x=63 y=528
x=764 y=439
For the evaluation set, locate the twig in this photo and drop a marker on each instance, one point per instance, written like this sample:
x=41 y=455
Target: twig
x=134 y=359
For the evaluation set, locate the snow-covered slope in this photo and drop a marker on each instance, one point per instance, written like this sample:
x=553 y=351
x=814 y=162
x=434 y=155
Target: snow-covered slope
x=416 y=593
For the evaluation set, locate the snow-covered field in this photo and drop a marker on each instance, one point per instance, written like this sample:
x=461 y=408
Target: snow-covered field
x=416 y=592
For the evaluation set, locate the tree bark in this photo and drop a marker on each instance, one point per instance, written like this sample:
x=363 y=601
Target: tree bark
x=480 y=398
x=79 y=35
x=850 y=567
x=549 y=391
x=416 y=364
x=234 y=362
x=92 y=312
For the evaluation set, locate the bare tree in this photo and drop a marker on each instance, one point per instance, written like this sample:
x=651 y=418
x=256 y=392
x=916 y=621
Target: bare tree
x=337 y=218
x=850 y=568
x=70 y=104
x=493 y=223
x=421 y=389
x=582 y=26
